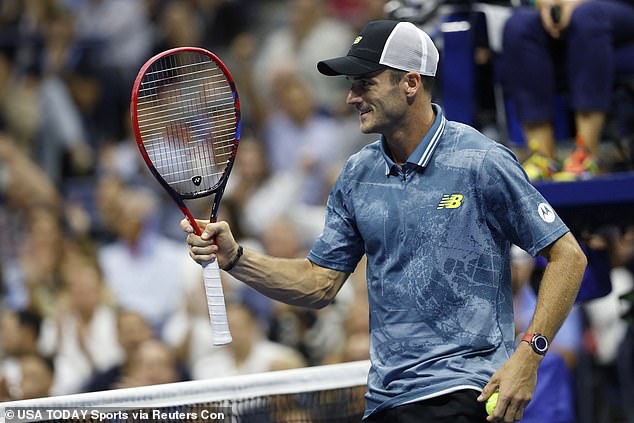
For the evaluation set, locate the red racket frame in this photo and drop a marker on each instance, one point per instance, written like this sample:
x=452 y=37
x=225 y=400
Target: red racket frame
x=217 y=189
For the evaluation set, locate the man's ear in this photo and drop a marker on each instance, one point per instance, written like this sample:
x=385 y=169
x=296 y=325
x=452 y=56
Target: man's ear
x=414 y=83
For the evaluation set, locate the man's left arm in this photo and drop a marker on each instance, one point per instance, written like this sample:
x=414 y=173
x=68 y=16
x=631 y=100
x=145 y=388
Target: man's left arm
x=517 y=378
x=559 y=286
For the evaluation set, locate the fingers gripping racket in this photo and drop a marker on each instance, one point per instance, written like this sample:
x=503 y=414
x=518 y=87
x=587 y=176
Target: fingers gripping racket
x=186 y=117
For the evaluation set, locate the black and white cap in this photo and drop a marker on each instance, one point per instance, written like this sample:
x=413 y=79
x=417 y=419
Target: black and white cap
x=381 y=44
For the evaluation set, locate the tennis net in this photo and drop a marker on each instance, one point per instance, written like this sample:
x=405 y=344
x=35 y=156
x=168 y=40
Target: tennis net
x=320 y=394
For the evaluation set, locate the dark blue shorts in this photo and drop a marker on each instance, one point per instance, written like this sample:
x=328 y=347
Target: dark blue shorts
x=456 y=407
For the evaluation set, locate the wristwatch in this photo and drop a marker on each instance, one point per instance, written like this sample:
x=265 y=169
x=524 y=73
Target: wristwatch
x=538 y=342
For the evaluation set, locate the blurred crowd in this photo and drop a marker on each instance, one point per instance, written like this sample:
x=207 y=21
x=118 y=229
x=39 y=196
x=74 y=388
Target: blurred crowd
x=98 y=291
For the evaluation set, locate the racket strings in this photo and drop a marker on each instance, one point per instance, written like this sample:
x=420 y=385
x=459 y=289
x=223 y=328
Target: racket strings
x=187 y=120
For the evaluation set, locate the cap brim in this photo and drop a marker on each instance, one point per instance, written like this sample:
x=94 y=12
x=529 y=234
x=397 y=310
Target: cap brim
x=348 y=65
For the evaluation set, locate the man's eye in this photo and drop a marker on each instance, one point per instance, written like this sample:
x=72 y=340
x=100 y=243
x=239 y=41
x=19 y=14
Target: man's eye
x=361 y=84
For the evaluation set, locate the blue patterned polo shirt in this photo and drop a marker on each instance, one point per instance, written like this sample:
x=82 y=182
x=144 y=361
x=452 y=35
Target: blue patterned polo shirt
x=436 y=233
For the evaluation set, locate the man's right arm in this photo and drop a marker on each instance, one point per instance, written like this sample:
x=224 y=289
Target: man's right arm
x=293 y=281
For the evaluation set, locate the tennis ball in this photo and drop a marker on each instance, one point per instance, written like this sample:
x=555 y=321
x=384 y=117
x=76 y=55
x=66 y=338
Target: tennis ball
x=491 y=402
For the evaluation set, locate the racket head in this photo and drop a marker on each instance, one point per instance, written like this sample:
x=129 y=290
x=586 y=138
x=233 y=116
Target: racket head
x=185 y=113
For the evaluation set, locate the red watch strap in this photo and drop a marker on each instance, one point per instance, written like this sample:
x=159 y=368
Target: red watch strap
x=528 y=337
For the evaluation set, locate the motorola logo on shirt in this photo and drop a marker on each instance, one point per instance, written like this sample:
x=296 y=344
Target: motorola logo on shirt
x=546 y=212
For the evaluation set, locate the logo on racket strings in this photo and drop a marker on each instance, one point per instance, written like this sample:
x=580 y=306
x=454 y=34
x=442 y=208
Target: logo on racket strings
x=197 y=180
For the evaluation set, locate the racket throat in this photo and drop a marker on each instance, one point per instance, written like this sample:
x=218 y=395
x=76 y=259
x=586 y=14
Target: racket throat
x=215 y=206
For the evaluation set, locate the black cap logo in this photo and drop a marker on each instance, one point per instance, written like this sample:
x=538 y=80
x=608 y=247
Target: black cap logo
x=197 y=180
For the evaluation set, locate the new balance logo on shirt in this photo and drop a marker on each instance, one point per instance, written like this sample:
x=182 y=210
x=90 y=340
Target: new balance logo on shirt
x=450 y=201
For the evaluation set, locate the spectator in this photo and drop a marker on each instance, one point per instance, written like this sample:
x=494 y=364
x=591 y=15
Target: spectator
x=23 y=184
x=142 y=268
x=252 y=177
x=571 y=40
x=249 y=352
x=119 y=30
x=33 y=278
x=355 y=344
x=300 y=140
x=296 y=45
x=153 y=363
x=604 y=314
x=19 y=335
x=180 y=26
x=23 y=187
x=224 y=20
x=132 y=331
x=81 y=335
x=35 y=104
x=256 y=193
x=36 y=376
x=607 y=330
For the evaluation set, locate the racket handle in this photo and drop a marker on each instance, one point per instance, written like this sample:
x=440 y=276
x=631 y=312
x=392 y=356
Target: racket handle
x=216 y=304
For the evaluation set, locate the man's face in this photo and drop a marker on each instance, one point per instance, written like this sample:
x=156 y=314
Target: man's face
x=381 y=103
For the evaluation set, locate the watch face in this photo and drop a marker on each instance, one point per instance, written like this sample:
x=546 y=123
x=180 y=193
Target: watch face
x=540 y=343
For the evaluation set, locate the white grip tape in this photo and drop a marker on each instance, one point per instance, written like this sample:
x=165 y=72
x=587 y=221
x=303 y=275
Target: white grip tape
x=216 y=304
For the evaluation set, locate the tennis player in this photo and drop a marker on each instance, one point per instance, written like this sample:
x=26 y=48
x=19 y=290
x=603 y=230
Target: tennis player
x=435 y=206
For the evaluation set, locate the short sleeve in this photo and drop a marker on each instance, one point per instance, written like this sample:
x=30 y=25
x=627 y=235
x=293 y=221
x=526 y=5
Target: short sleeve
x=340 y=246
x=512 y=205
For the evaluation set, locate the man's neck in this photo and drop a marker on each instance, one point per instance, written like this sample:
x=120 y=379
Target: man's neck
x=408 y=135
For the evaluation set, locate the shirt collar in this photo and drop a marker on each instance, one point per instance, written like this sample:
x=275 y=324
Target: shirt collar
x=422 y=154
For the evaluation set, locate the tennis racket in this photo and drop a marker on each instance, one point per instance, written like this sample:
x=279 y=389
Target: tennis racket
x=185 y=114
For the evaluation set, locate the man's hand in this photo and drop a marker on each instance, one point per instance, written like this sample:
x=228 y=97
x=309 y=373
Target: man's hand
x=516 y=381
x=563 y=8
x=216 y=242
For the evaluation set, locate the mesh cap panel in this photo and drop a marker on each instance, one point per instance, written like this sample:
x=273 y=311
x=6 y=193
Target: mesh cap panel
x=410 y=49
